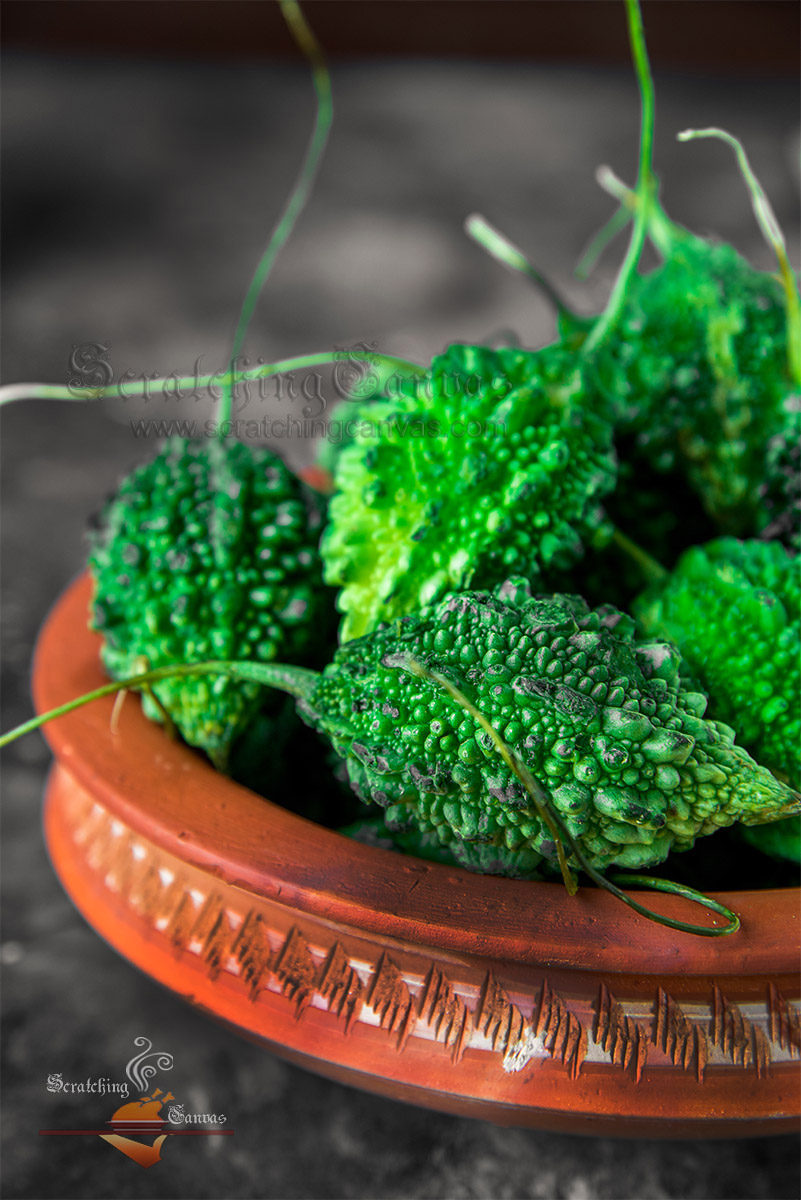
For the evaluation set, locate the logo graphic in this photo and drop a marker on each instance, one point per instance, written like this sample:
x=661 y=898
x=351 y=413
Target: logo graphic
x=355 y=372
x=139 y=1118
x=140 y=1070
x=91 y=366
x=137 y=1128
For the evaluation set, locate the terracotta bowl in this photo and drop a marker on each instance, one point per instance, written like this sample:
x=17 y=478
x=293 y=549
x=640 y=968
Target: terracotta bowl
x=483 y=996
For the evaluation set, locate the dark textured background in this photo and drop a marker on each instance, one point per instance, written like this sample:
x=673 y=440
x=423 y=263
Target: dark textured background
x=137 y=196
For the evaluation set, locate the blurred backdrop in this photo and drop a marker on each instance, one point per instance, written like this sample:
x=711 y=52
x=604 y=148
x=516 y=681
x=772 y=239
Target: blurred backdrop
x=147 y=150
x=753 y=36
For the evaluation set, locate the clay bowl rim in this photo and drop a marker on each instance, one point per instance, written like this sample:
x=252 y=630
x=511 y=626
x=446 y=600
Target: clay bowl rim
x=174 y=798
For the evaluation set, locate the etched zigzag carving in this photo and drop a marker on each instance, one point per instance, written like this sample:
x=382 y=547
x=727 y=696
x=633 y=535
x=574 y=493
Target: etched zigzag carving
x=201 y=924
x=785 y=1022
x=445 y=1012
x=623 y=1038
x=564 y=1036
x=735 y=1035
x=340 y=985
x=682 y=1040
x=390 y=998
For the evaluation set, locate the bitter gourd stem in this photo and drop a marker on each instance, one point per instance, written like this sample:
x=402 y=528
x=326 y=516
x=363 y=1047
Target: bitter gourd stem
x=300 y=192
x=772 y=232
x=47 y=391
x=297 y=681
x=505 y=252
x=676 y=889
x=661 y=230
x=651 y=568
x=618 y=221
x=645 y=183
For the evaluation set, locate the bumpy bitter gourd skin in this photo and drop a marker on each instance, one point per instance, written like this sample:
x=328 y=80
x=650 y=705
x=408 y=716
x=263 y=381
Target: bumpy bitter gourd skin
x=699 y=371
x=207 y=552
x=604 y=724
x=734 y=608
x=424 y=505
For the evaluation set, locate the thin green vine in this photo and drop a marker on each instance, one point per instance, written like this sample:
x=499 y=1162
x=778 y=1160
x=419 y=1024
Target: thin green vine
x=498 y=246
x=12 y=392
x=653 y=570
x=300 y=192
x=772 y=232
x=616 y=223
x=646 y=184
x=294 y=680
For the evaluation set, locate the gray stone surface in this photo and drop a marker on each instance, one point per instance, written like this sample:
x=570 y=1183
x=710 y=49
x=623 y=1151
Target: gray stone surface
x=136 y=200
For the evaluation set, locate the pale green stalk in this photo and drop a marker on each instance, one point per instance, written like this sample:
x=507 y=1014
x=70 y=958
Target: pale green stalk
x=505 y=252
x=297 y=681
x=650 y=567
x=300 y=192
x=617 y=222
x=772 y=232
x=145 y=387
x=645 y=184
x=661 y=229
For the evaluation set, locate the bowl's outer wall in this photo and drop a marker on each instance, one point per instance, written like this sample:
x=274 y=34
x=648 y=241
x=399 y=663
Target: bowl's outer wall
x=475 y=994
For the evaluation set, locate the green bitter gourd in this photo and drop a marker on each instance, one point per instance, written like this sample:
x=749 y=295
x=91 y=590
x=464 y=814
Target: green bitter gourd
x=492 y=464
x=604 y=724
x=207 y=551
x=734 y=610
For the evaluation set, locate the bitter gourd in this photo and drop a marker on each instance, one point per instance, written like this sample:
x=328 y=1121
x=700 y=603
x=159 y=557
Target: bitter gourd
x=207 y=551
x=734 y=610
x=604 y=724
x=494 y=463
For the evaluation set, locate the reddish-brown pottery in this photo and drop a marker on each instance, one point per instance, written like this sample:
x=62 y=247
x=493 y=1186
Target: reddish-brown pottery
x=489 y=997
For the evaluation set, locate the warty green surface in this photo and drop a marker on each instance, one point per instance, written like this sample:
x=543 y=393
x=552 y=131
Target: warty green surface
x=207 y=551
x=734 y=610
x=698 y=369
x=427 y=502
x=620 y=746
